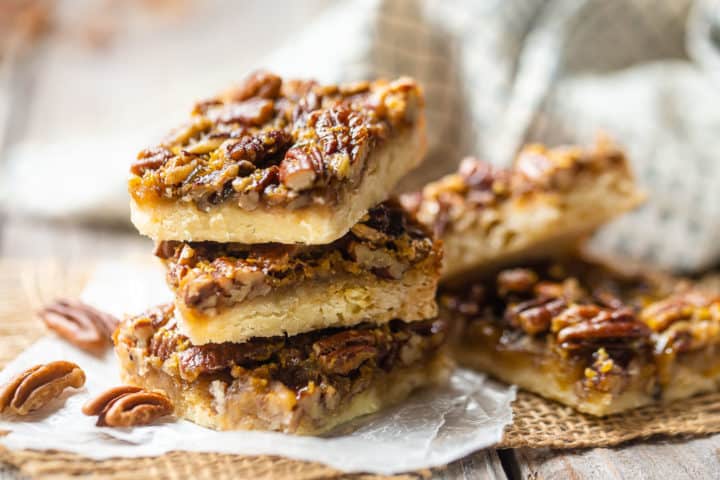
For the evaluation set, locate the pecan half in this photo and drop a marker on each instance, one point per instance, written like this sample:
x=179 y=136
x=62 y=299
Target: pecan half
x=254 y=112
x=516 y=280
x=80 y=324
x=128 y=406
x=345 y=351
x=37 y=386
x=535 y=316
x=581 y=324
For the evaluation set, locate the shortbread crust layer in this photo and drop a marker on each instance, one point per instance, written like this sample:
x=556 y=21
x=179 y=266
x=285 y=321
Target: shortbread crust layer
x=543 y=205
x=306 y=384
x=304 y=172
x=588 y=335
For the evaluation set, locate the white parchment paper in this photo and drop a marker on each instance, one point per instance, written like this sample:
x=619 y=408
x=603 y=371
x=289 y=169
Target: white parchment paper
x=434 y=427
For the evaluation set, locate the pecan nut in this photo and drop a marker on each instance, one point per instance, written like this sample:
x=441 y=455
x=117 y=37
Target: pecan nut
x=128 y=406
x=301 y=167
x=583 y=324
x=80 y=324
x=346 y=351
x=37 y=386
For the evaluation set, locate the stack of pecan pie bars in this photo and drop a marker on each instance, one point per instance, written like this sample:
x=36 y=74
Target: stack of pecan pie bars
x=304 y=296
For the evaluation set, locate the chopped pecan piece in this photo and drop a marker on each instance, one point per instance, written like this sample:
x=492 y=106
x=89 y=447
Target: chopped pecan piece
x=150 y=159
x=261 y=147
x=258 y=84
x=301 y=166
x=128 y=406
x=80 y=324
x=37 y=386
x=516 y=280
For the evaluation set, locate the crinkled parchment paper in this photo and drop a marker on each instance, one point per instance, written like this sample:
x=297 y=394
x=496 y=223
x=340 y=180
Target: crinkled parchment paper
x=434 y=427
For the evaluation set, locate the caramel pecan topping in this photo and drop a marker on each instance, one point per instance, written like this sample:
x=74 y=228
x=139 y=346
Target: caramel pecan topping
x=128 y=406
x=386 y=243
x=80 y=324
x=273 y=142
x=458 y=200
x=37 y=386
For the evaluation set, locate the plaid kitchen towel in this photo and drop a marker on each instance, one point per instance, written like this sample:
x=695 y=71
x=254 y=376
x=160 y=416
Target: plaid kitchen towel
x=497 y=74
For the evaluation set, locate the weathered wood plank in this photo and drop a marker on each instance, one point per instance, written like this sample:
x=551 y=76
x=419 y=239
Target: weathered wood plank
x=481 y=465
x=671 y=459
x=26 y=238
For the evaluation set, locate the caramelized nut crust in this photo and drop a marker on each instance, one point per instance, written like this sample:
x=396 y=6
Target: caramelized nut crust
x=80 y=324
x=209 y=276
x=37 y=386
x=271 y=141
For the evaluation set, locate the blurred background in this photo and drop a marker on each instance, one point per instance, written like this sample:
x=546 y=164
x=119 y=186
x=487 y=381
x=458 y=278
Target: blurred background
x=86 y=84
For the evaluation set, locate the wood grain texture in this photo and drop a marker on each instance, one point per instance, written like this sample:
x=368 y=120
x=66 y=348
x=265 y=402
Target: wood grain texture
x=676 y=460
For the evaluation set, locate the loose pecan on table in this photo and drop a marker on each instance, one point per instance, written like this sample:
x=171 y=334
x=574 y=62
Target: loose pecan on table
x=128 y=406
x=80 y=324
x=37 y=386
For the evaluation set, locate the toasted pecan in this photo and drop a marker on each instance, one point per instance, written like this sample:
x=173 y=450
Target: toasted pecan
x=37 y=386
x=128 y=406
x=80 y=324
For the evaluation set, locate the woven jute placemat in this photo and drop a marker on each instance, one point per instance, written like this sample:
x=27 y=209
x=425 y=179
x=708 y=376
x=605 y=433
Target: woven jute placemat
x=25 y=286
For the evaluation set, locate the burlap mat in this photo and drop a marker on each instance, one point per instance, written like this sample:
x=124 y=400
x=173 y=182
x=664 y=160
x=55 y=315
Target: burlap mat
x=538 y=422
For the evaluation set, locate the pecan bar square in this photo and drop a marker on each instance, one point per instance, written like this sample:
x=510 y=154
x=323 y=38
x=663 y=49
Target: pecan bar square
x=544 y=203
x=304 y=384
x=387 y=266
x=274 y=160
x=589 y=335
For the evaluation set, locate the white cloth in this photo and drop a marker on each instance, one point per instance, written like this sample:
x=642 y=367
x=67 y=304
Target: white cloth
x=497 y=74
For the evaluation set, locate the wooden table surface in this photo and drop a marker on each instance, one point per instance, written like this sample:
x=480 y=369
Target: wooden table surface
x=677 y=459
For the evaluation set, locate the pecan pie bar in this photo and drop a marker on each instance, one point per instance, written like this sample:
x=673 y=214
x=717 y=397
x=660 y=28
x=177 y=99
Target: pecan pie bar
x=387 y=266
x=588 y=335
x=545 y=202
x=304 y=384
x=275 y=160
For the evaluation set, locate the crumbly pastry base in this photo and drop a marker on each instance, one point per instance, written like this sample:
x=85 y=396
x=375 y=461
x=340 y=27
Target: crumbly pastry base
x=239 y=405
x=315 y=224
x=542 y=225
x=694 y=374
x=342 y=301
